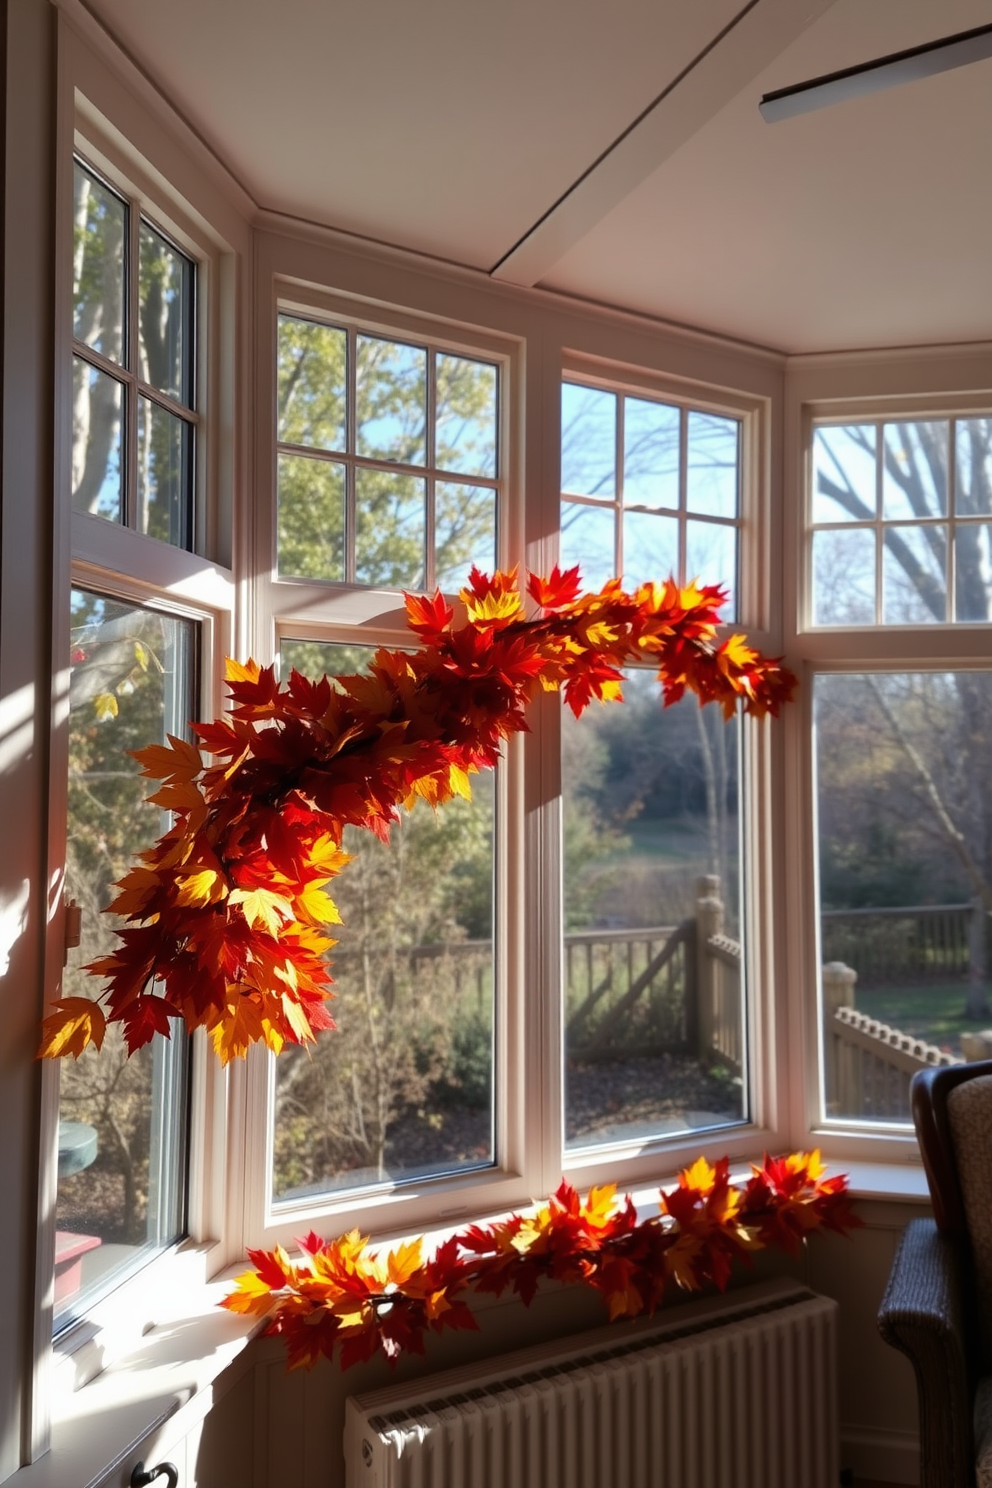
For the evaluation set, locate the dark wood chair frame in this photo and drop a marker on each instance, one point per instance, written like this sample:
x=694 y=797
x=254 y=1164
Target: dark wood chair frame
x=929 y=1309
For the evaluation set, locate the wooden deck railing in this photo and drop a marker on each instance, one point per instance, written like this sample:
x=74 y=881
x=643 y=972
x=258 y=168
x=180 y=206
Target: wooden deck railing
x=912 y=943
x=628 y=992
x=869 y=1067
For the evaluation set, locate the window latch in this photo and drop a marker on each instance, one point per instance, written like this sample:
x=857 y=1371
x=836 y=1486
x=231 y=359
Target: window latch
x=73 y=927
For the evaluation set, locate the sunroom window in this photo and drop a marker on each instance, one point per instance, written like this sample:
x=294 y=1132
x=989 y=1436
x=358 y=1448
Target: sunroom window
x=902 y=522
x=403 y=1089
x=133 y=411
x=388 y=459
x=649 y=489
x=905 y=879
x=122 y=1146
x=900 y=519
x=653 y=963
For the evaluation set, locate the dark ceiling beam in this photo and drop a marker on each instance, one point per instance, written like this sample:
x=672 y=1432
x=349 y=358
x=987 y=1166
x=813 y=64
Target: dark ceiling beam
x=883 y=72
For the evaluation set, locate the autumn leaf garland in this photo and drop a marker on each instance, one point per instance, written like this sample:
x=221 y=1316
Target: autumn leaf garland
x=226 y=916
x=345 y=1297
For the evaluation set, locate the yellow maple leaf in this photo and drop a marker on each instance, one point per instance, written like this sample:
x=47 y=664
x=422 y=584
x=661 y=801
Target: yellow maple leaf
x=459 y=782
x=315 y=907
x=75 y=1023
x=252 y=1295
x=495 y=606
x=700 y=1176
x=297 y=1019
x=236 y=671
x=326 y=857
x=239 y=1026
x=736 y=650
x=600 y=1204
x=402 y=1262
x=273 y=910
x=206 y=886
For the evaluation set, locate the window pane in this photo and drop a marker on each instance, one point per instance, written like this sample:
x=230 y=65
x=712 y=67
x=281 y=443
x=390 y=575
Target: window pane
x=464 y=532
x=844 y=577
x=844 y=485
x=165 y=470
x=914 y=476
x=122 y=1143
x=403 y=1089
x=654 y=1015
x=312 y=384
x=99 y=234
x=901 y=766
x=392 y=401
x=650 y=454
x=311 y=518
x=973 y=577
x=914 y=583
x=973 y=473
x=465 y=418
x=588 y=441
x=165 y=299
x=650 y=548
x=587 y=538
x=713 y=463
x=711 y=556
x=391 y=529
x=97 y=442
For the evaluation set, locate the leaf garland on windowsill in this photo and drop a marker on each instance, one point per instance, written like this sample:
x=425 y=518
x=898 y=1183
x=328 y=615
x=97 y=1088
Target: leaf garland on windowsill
x=346 y=1297
x=226 y=916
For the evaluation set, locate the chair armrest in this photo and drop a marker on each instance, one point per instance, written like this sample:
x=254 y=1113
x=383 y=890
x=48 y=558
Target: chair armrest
x=923 y=1314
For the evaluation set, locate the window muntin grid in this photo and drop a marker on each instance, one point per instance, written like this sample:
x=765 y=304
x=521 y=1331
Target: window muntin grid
x=649 y=488
x=387 y=458
x=134 y=417
x=901 y=522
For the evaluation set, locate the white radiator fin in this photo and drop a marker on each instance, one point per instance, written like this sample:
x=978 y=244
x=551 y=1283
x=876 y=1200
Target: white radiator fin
x=736 y=1393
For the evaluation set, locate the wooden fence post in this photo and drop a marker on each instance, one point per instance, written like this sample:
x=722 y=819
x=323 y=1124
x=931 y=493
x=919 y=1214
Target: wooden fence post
x=709 y=921
x=841 y=1096
x=978 y=998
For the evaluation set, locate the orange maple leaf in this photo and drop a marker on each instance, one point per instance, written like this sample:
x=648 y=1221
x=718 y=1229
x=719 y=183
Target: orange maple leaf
x=75 y=1023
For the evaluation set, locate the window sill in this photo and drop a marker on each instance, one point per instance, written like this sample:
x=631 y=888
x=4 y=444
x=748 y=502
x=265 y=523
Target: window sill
x=172 y=1375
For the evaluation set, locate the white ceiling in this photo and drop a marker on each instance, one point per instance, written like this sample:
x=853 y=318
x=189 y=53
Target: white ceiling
x=452 y=126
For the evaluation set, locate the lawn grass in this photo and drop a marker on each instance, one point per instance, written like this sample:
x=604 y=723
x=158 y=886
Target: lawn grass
x=934 y=1012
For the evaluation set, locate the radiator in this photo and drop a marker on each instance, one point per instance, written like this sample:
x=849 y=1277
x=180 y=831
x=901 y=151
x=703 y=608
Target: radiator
x=730 y=1392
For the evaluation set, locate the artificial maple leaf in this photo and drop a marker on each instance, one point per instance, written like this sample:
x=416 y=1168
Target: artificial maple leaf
x=176 y=760
x=429 y=618
x=259 y=905
x=204 y=886
x=558 y=590
x=252 y=1295
x=491 y=601
x=75 y=1023
x=143 y=1018
x=315 y=907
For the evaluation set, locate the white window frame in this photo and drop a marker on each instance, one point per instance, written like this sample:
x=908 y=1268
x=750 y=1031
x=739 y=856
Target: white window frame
x=636 y=1162
x=116 y=560
x=853 y=389
x=302 y=609
x=530 y=1146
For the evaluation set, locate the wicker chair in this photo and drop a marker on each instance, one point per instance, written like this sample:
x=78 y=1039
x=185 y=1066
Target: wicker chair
x=937 y=1306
